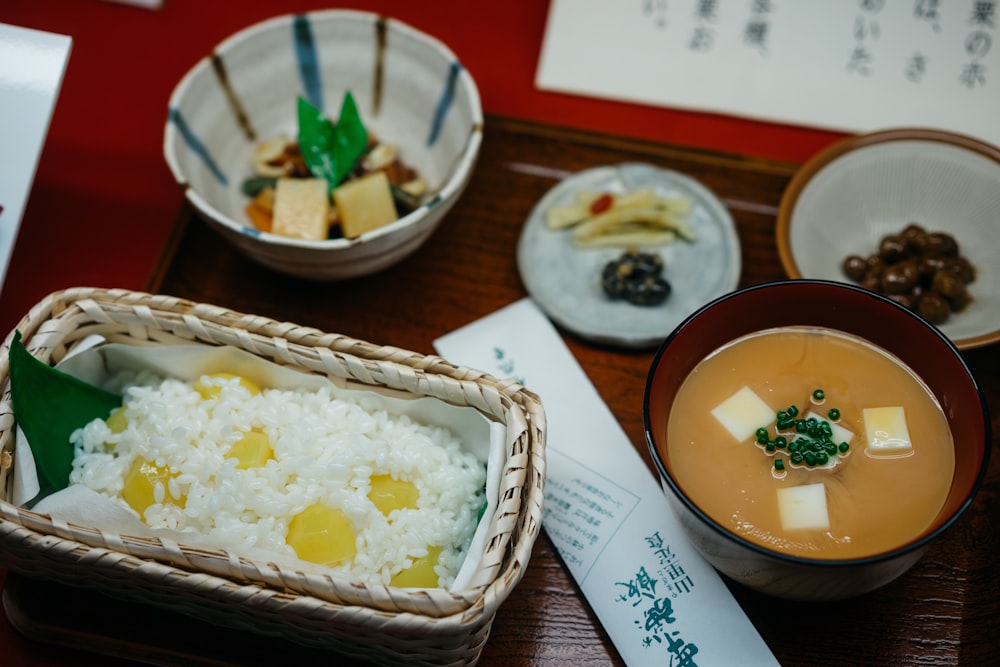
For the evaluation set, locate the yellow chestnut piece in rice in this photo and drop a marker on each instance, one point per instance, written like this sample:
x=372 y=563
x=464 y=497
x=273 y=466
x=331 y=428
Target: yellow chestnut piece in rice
x=322 y=534
x=390 y=494
x=252 y=450
x=117 y=421
x=141 y=486
x=210 y=386
x=421 y=574
x=364 y=204
x=301 y=208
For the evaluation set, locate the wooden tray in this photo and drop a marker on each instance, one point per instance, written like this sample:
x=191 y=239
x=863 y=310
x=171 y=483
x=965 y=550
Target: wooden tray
x=134 y=632
x=942 y=612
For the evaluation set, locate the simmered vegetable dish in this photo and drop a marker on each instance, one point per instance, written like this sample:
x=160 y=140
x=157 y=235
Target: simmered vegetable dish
x=331 y=181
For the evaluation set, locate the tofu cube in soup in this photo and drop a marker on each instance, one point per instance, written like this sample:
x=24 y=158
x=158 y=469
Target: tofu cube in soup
x=886 y=431
x=743 y=413
x=803 y=507
x=301 y=208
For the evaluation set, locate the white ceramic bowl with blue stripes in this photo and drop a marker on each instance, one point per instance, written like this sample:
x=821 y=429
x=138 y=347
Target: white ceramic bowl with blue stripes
x=410 y=89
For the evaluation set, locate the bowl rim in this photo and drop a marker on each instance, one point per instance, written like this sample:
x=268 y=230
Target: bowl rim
x=715 y=527
x=815 y=165
x=460 y=170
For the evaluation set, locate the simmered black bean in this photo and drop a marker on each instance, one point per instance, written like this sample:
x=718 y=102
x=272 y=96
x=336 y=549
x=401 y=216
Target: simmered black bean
x=940 y=244
x=636 y=277
x=892 y=249
x=933 y=307
x=900 y=277
x=920 y=269
x=855 y=267
x=962 y=268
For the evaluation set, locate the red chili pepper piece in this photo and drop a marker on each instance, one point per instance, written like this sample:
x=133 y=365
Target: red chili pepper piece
x=602 y=203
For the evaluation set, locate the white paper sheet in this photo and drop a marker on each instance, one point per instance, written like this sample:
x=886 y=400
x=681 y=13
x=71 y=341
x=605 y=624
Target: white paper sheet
x=32 y=63
x=854 y=66
x=659 y=601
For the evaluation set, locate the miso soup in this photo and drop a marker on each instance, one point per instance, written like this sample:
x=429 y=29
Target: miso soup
x=735 y=417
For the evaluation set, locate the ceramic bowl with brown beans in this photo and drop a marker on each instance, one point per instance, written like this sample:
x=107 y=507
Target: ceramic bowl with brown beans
x=909 y=213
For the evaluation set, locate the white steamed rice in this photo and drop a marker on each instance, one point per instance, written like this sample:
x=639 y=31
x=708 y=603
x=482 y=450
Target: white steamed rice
x=325 y=451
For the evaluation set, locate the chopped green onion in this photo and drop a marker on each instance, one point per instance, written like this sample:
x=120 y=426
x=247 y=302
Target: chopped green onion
x=812 y=445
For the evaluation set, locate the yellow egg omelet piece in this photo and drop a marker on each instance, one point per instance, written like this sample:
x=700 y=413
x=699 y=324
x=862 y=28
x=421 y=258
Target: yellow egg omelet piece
x=390 y=494
x=322 y=534
x=421 y=574
x=211 y=390
x=140 y=485
x=253 y=450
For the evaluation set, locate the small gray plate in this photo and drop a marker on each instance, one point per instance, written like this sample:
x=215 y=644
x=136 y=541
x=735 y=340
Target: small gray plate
x=565 y=280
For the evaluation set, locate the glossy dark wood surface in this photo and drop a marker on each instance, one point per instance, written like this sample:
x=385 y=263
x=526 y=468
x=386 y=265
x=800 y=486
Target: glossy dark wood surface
x=945 y=611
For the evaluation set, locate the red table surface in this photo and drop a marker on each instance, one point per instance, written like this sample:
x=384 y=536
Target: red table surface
x=103 y=201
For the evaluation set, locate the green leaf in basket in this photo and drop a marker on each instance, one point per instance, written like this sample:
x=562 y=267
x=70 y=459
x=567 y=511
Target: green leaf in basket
x=48 y=406
x=331 y=151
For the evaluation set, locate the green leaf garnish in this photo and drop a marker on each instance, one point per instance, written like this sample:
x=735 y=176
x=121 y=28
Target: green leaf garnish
x=48 y=406
x=331 y=151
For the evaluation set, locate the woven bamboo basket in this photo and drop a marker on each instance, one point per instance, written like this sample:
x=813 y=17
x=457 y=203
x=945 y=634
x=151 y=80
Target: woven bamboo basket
x=381 y=624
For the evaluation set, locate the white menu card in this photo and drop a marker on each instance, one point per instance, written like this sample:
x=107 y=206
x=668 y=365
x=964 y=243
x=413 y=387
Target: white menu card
x=658 y=599
x=844 y=65
x=31 y=70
